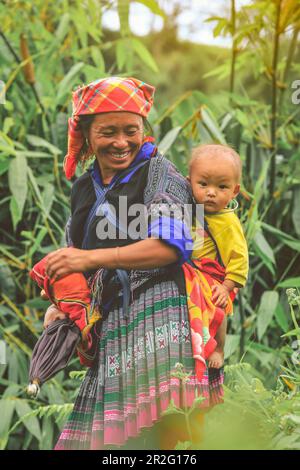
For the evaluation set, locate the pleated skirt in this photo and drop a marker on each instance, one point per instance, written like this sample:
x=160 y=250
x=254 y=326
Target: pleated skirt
x=132 y=382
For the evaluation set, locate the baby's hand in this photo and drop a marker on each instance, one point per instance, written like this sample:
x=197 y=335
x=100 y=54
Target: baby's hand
x=220 y=295
x=52 y=314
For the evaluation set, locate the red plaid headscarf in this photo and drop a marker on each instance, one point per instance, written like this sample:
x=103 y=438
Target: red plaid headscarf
x=103 y=96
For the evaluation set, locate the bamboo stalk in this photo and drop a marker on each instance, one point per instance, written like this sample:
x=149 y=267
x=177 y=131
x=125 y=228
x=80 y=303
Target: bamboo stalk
x=274 y=98
x=242 y=322
x=32 y=85
x=28 y=68
x=233 y=49
x=291 y=53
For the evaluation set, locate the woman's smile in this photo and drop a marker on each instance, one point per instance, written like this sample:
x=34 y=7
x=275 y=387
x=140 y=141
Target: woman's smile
x=119 y=155
x=116 y=139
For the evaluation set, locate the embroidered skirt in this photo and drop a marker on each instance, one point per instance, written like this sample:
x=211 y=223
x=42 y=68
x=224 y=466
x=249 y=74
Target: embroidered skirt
x=132 y=382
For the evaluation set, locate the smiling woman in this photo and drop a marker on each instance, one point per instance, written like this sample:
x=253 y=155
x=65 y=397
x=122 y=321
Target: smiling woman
x=115 y=139
x=137 y=284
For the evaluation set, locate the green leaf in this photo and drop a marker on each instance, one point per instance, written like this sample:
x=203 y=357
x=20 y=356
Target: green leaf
x=17 y=180
x=291 y=282
x=123 y=12
x=98 y=59
x=67 y=82
x=231 y=345
x=154 y=7
x=7 y=284
x=122 y=51
x=38 y=303
x=222 y=23
x=63 y=27
x=4 y=165
x=31 y=422
x=144 y=54
x=294 y=332
x=212 y=125
x=38 y=240
x=7 y=125
x=14 y=212
x=282 y=236
x=7 y=408
x=37 y=141
x=281 y=317
x=48 y=197
x=263 y=246
x=266 y=311
x=47 y=434
x=296 y=211
x=169 y=139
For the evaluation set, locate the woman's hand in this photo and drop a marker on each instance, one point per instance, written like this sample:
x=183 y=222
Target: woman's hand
x=66 y=261
x=53 y=314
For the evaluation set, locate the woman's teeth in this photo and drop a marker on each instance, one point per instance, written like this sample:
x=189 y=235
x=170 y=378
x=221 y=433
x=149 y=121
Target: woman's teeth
x=120 y=155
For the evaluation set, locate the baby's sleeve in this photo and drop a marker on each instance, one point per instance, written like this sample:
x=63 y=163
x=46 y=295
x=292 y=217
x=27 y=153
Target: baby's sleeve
x=233 y=250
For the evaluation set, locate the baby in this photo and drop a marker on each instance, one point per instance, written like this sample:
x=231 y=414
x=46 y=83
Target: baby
x=215 y=174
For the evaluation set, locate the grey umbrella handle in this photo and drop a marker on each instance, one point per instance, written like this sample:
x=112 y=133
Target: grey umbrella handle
x=33 y=389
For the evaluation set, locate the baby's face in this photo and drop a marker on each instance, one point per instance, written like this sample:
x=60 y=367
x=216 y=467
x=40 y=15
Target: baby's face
x=214 y=181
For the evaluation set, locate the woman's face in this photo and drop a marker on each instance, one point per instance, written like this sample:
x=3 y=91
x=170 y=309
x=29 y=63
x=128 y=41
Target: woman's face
x=116 y=138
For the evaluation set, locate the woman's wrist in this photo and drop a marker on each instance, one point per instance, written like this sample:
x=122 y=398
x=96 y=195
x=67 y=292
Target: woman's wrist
x=103 y=258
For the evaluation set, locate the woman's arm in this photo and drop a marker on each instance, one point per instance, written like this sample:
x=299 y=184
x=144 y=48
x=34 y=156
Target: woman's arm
x=144 y=254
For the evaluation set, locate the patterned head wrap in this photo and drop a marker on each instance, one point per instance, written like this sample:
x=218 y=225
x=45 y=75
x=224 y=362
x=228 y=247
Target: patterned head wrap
x=103 y=96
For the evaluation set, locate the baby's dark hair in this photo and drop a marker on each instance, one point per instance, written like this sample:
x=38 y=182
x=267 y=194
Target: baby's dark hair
x=216 y=149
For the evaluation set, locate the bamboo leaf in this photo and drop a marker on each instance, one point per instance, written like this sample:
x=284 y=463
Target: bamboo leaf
x=231 y=345
x=7 y=408
x=37 y=141
x=38 y=240
x=281 y=317
x=4 y=165
x=98 y=59
x=14 y=212
x=123 y=12
x=7 y=284
x=263 y=246
x=154 y=7
x=294 y=332
x=296 y=211
x=291 y=282
x=31 y=422
x=65 y=85
x=122 y=51
x=282 y=236
x=144 y=54
x=266 y=311
x=212 y=125
x=17 y=180
x=169 y=139
x=63 y=28
x=47 y=434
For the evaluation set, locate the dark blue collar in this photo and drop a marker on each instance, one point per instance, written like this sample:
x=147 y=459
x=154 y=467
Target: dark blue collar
x=144 y=154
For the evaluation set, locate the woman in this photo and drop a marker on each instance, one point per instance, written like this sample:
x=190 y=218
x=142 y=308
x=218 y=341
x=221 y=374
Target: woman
x=144 y=332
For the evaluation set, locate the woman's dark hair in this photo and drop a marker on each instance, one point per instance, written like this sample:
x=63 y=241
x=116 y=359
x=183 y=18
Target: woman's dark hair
x=85 y=122
x=147 y=127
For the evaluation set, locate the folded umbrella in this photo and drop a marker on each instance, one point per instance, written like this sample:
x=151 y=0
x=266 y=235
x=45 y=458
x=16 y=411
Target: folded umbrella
x=52 y=353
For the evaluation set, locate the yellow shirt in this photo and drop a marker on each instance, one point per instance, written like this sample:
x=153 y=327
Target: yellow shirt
x=224 y=228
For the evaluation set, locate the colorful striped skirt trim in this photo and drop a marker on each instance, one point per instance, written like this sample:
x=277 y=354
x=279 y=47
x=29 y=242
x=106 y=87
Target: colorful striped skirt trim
x=132 y=382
